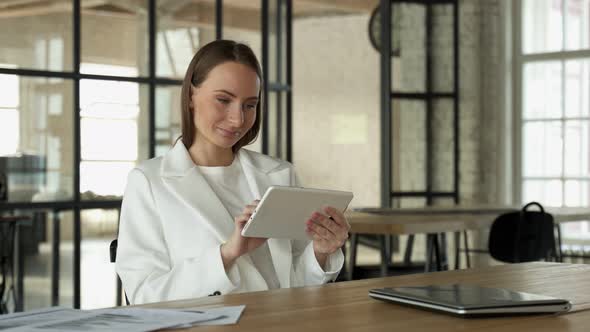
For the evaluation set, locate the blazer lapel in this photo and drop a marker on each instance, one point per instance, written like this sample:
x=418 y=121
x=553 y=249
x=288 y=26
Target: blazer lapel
x=261 y=173
x=188 y=184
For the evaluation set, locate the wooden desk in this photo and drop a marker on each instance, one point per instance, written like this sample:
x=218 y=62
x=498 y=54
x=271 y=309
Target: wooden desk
x=346 y=306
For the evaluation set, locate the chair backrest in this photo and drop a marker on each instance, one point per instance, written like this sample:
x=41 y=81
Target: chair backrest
x=113 y=250
x=523 y=236
x=113 y=255
x=3 y=187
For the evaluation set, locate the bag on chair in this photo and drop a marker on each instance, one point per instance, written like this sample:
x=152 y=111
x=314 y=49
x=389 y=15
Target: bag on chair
x=523 y=236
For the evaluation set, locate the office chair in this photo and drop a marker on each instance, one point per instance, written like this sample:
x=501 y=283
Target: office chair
x=113 y=256
x=523 y=236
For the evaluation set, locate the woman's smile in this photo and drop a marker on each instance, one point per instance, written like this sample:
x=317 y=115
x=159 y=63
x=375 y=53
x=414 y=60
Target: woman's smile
x=229 y=133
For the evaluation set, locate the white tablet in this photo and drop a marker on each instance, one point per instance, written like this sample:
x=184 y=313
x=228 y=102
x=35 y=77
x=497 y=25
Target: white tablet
x=283 y=211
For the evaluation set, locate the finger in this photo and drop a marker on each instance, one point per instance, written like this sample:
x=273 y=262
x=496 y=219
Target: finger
x=329 y=245
x=323 y=221
x=242 y=219
x=340 y=234
x=336 y=215
x=249 y=209
x=328 y=222
x=322 y=231
x=314 y=236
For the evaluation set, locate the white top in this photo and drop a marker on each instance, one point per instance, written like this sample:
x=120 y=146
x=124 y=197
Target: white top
x=231 y=187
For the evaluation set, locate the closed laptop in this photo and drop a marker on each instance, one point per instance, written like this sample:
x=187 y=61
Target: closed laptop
x=471 y=300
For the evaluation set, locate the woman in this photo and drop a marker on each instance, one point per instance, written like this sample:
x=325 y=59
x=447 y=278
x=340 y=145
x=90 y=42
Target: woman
x=183 y=213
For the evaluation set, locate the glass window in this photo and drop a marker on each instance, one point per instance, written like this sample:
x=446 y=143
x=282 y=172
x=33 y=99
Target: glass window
x=44 y=38
x=168 y=117
x=277 y=36
x=241 y=22
x=576 y=193
x=9 y=115
x=122 y=25
x=555 y=100
x=97 y=273
x=113 y=129
x=542 y=79
x=542 y=148
x=549 y=193
x=542 y=25
x=577 y=27
x=36 y=240
x=182 y=27
x=577 y=149
x=577 y=88
x=36 y=150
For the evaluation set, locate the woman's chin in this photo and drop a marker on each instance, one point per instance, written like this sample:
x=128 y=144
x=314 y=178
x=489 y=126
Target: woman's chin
x=227 y=143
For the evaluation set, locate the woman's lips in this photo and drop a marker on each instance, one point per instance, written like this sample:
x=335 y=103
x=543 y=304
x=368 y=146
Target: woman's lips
x=229 y=133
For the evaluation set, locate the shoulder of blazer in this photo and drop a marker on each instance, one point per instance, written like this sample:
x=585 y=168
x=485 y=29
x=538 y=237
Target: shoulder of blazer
x=150 y=168
x=262 y=162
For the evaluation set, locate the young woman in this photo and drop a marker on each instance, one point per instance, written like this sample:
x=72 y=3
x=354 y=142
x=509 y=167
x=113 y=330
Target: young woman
x=183 y=213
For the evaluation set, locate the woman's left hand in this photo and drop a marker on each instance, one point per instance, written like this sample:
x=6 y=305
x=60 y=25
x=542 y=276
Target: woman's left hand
x=329 y=231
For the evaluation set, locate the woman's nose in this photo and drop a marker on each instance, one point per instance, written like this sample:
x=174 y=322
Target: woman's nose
x=236 y=116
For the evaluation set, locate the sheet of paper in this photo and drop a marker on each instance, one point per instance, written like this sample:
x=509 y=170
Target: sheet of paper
x=123 y=319
x=227 y=315
x=12 y=321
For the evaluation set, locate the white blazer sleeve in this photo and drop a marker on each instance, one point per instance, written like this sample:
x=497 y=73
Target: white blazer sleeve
x=143 y=262
x=305 y=264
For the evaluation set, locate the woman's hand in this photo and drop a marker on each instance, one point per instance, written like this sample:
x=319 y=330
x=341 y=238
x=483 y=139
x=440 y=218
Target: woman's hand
x=329 y=232
x=238 y=245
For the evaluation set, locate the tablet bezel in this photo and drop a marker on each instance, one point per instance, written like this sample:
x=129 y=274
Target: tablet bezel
x=277 y=217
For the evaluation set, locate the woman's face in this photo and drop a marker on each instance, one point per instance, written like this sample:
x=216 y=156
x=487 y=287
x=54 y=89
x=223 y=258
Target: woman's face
x=224 y=105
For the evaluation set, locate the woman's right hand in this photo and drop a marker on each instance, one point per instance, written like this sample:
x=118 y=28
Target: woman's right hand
x=238 y=245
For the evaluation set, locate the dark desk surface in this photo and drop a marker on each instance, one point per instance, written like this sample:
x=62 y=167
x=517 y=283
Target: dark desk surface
x=345 y=306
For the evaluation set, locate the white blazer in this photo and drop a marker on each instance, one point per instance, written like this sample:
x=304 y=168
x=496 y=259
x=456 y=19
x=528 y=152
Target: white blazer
x=172 y=225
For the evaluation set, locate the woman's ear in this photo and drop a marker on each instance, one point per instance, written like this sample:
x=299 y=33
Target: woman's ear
x=190 y=97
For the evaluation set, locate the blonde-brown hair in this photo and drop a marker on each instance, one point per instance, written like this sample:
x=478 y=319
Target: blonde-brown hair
x=207 y=58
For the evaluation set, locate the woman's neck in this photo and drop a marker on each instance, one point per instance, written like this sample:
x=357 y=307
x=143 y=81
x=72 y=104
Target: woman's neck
x=210 y=155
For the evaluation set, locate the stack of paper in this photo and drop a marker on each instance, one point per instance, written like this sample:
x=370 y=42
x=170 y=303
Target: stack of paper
x=128 y=319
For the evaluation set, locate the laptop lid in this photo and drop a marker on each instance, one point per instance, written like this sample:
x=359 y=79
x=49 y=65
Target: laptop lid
x=463 y=299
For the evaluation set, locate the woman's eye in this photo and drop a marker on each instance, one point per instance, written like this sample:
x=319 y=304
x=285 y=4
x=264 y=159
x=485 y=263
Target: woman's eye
x=223 y=101
x=250 y=107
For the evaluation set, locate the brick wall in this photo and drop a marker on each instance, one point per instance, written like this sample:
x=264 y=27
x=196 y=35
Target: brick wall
x=337 y=72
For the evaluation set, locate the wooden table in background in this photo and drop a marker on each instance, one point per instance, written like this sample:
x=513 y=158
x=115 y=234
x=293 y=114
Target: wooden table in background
x=346 y=306
x=443 y=219
x=433 y=220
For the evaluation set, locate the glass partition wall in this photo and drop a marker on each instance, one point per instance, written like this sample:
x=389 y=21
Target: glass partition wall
x=89 y=89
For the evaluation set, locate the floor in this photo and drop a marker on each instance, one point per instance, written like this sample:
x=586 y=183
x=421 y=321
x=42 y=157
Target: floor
x=98 y=278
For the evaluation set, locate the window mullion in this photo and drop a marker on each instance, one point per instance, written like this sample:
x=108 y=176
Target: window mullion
x=563 y=82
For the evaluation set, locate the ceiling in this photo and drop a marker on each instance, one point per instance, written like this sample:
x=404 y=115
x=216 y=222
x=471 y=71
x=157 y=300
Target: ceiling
x=198 y=11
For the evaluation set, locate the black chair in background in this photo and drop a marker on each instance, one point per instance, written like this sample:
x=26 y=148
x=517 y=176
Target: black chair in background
x=113 y=255
x=524 y=236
